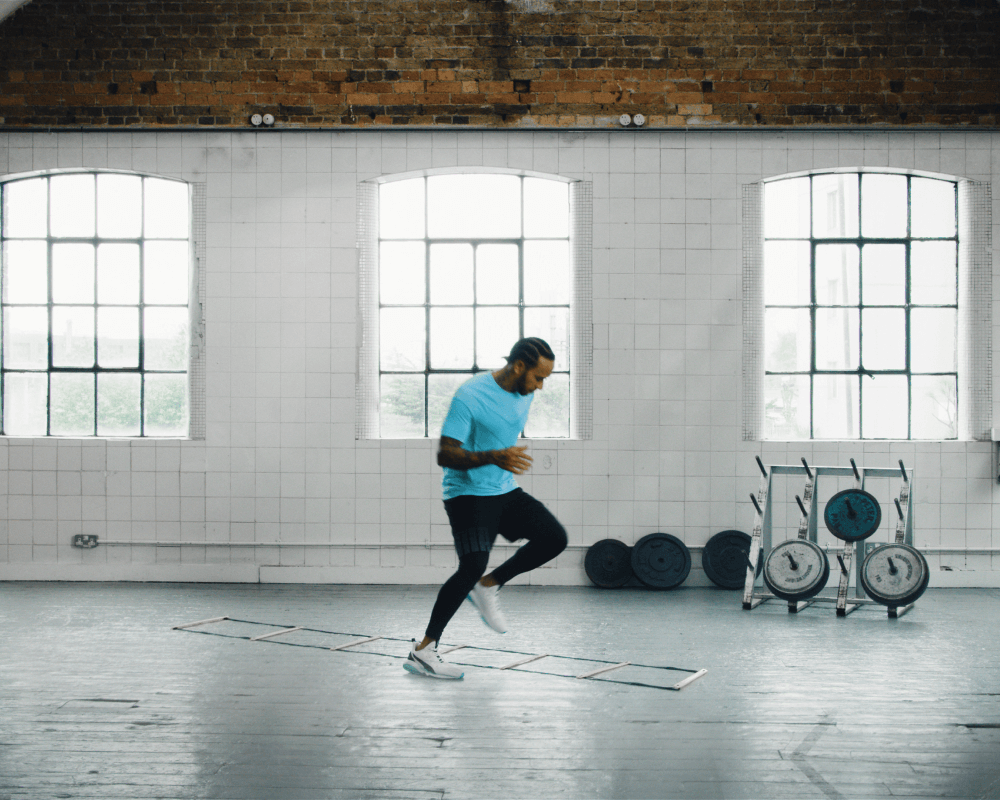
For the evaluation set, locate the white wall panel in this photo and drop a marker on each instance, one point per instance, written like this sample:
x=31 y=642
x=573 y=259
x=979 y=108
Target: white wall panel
x=280 y=462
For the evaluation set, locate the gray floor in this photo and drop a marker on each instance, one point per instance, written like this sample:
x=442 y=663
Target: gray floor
x=99 y=698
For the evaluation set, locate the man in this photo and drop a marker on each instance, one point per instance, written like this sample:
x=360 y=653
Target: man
x=480 y=457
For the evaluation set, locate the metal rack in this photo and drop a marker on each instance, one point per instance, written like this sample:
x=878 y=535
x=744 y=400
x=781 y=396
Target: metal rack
x=761 y=539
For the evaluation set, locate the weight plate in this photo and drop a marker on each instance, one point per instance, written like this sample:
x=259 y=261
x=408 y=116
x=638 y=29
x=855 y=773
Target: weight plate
x=796 y=569
x=661 y=561
x=608 y=563
x=725 y=559
x=895 y=574
x=852 y=515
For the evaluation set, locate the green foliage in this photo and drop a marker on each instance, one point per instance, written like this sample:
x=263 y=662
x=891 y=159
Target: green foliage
x=549 y=416
x=71 y=405
x=118 y=405
x=166 y=405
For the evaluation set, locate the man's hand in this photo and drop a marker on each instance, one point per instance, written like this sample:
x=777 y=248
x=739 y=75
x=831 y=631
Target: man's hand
x=513 y=459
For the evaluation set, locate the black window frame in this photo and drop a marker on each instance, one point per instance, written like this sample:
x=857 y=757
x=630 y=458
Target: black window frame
x=96 y=370
x=427 y=306
x=908 y=306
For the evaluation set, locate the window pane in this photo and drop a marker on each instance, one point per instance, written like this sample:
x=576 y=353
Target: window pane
x=837 y=274
x=166 y=273
x=166 y=405
x=25 y=277
x=932 y=340
x=837 y=336
x=786 y=273
x=401 y=407
x=165 y=210
x=883 y=274
x=835 y=206
x=26 y=338
x=118 y=273
x=496 y=332
x=401 y=209
x=451 y=338
x=25 y=208
x=786 y=406
x=402 y=339
x=883 y=407
x=474 y=206
x=935 y=409
x=787 y=340
x=72 y=404
x=552 y=325
x=546 y=272
x=118 y=404
x=451 y=273
x=440 y=390
x=835 y=406
x=165 y=343
x=118 y=338
x=932 y=208
x=119 y=206
x=496 y=273
x=883 y=206
x=72 y=205
x=549 y=414
x=72 y=336
x=546 y=208
x=24 y=403
x=883 y=336
x=786 y=208
x=933 y=273
x=402 y=270
x=73 y=273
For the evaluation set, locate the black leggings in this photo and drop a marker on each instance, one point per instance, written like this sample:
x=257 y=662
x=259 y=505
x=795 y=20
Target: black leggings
x=475 y=524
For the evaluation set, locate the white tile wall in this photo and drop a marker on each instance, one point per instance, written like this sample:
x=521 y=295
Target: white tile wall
x=280 y=462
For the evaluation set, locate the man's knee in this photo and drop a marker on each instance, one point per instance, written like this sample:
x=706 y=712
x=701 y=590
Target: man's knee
x=472 y=566
x=559 y=538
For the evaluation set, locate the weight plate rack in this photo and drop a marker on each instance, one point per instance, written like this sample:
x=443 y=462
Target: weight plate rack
x=844 y=553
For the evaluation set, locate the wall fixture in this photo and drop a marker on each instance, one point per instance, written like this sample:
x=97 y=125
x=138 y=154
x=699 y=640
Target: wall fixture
x=268 y=120
x=638 y=119
x=625 y=120
x=256 y=119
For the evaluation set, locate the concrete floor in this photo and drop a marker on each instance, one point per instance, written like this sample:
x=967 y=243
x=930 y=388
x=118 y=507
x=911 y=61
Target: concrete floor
x=100 y=698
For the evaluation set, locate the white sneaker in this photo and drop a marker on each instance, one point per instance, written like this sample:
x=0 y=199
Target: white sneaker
x=428 y=662
x=484 y=598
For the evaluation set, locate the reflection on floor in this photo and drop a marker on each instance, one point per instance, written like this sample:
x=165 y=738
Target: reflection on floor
x=102 y=698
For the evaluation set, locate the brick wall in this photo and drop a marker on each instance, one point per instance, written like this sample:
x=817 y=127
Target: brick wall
x=500 y=62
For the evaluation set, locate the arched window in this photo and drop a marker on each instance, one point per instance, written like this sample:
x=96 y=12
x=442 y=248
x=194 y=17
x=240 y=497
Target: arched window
x=96 y=273
x=468 y=263
x=861 y=293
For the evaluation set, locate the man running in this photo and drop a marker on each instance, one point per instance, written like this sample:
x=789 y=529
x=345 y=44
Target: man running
x=480 y=457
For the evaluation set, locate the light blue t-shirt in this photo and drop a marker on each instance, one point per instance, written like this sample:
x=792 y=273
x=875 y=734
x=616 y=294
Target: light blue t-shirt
x=482 y=416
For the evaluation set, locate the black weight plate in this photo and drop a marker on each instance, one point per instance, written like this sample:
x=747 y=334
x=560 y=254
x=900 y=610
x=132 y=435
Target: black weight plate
x=608 y=563
x=895 y=574
x=725 y=559
x=661 y=561
x=852 y=515
x=796 y=569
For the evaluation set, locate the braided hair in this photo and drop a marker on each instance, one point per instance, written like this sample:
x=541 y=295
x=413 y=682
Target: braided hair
x=529 y=350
